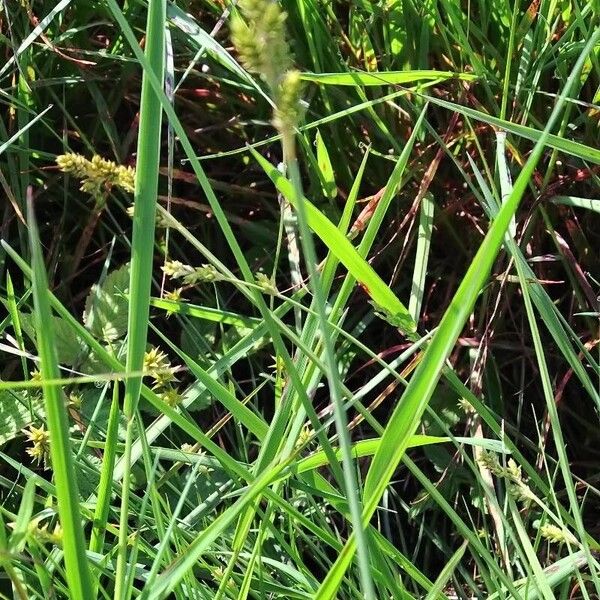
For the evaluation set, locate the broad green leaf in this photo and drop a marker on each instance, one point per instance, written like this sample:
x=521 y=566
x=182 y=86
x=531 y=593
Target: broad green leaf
x=18 y=409
x=105 y=313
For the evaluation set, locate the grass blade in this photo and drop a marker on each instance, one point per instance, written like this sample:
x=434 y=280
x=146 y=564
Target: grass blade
x=144 y=218
x=387 y=78
x=67 y=494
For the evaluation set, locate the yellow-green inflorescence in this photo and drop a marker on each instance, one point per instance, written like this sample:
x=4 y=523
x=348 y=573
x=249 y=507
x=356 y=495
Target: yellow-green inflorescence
x=259 y=37
x=39 y=439
x=158 y=366
x=175 y=269
x=557 y=535
x=98 y=174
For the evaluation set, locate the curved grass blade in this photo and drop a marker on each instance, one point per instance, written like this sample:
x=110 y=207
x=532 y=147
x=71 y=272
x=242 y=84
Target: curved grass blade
x=535 y=135
x=346 y=253
x=369 y=448
x=590 y=204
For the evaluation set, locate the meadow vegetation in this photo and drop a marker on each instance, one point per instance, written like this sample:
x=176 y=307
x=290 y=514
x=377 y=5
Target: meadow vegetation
x=300 y=299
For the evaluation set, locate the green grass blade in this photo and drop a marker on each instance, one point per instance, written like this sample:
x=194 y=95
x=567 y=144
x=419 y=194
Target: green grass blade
x=422 y=256
x=144 y=218
x=577 y=202
x=105 y=487
x=535 y=135
x=447 y=572
x=67 y=495
x=384 y=78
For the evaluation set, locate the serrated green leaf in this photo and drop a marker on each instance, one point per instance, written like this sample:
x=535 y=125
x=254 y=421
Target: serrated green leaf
x=105 y=314
x=69 y=347
x=17 y=411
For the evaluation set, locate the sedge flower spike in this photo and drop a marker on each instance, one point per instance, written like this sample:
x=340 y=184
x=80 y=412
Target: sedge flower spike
x=98 y=174
x=260 y=39
x=261 y=42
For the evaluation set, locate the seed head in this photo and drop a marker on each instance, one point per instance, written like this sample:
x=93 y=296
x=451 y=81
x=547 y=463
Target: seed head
x=40 y=440
x=97 y=175
x=260 y=39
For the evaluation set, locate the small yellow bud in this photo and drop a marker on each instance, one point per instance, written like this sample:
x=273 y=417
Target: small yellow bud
x=171 y=396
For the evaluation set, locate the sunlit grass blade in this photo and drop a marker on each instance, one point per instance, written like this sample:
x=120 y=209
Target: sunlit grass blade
x=590 y=204
x=422 y=256
x=384 y=78
x=446 y=573
x=105 y=487
x=339 y=245
x=565 y=145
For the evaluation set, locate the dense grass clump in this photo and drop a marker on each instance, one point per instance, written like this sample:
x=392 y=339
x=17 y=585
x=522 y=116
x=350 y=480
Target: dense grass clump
x=301 y=299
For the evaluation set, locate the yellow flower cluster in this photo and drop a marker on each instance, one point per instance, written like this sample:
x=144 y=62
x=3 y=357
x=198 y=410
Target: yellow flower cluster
x=512 y=473
x=158 y=366
x=40 y=444
x=557 y=535
x=97 y=175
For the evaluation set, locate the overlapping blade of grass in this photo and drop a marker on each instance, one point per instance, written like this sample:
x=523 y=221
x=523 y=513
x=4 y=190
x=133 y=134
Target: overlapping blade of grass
x=34 y=34
x=282 y=417
x=144 y=218
x=565 y=145
x=556 y=429
x=589 y=203
x=170 y=413
x=77 y=569
x=13 y=138
x=422 y=256
x=556 y=324
x=106 y=480
x=206 y=43
x=408 y=412
x=347 y=255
